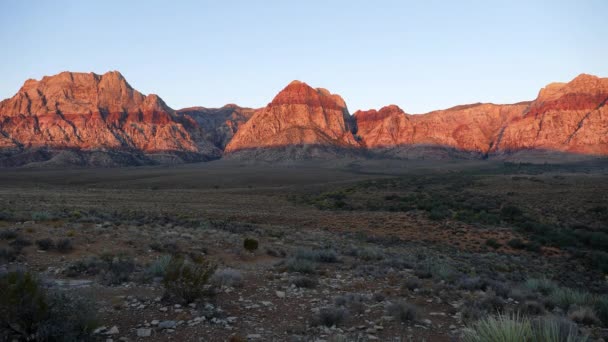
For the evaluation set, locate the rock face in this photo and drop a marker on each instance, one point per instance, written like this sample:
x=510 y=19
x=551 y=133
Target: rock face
x=89 y=111
x=298 y=116
x=470 y=128
x=567 y=117
x=216 y=126
x=89 y=119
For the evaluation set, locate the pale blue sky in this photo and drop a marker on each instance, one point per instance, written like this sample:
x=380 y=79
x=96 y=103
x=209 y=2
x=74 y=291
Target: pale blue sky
x=420 y=55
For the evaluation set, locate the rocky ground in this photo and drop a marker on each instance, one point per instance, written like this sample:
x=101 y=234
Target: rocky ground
x=314 y=284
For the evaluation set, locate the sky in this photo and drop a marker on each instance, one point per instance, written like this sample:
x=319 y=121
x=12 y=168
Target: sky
x=420 y=55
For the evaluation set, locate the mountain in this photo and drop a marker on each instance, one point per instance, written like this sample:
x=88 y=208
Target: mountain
x=467 y=131
x=84 y=114
x=568 y=117
x=89 y=119
x=216 y=126
x=299 y=116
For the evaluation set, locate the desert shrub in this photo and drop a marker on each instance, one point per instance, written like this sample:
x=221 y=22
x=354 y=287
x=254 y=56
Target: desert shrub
x=90 y=265
x=187 y=282
x=158 y=267
x=71 y=318
x=45 y=244
x=20 y=242
x=305 y=282
x=320 y=255
x=330 y=316
x=29 y=312
x=543 y=286
x=64 y=246
x=531 y=308
x=8 y=234
x=170 y=247
x=118 y=269
x=599 y=260
x=516 y=244
x=471 y=283
x=227 y=277
x=353 y=301
x=493 y=243
x=412 y=283
x=566 y=297
x=555 y=329
x=300 y=265
x=250 y=244
x=511 y=213
x=9 y=254
x=370 y=254
x=402 y=311
x=440 y=213
x=513 y=328
x=583 y=315
x=41 y=216
x=276 y=252
x=601 y=308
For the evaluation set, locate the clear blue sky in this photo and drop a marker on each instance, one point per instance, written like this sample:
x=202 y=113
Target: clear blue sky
x=420 y=55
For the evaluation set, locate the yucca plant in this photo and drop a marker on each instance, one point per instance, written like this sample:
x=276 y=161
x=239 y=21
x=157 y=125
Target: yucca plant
x=501 y=328
x=565 y=297
x=554 y=329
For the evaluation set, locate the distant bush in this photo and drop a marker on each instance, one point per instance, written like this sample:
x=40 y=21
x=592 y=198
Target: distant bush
x=584 y=315
x=493 y=243
x=41 y=216
x=402 y=311
x=20 y=242
x=8 y=234
x=29 y=312
x=45 y=244
x=516 y=244
x=227 y=277
x=300 y=265
x=9 y=254
x=158 y=267
x=330 y=316
x=320 y=255
x=566 y=297
x=250 y=244
x=186 y=282
x=118 y=269
x=305 y=282
x=601 y=308
x=64 y=246
x=90 y=265
x=543 y=286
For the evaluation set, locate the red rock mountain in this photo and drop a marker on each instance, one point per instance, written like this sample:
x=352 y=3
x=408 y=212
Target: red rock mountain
x=89 y=111
x=104 y=114
x=568 y=117
x=299 y=115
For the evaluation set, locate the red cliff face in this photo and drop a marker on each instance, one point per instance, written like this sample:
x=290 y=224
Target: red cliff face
x=566 y=117
x=298 y=115
x=89 y=111
x=471 y=128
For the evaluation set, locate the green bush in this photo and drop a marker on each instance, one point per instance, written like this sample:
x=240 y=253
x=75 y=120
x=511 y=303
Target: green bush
x=402 y=311
x=493 y=243
x=516 y=244
x=29 y=312
x=186 y=282
x=601 y=308
x=45 y=244
x=503 y=328
x=158 y=267
x=330 y=316
x=250 y=244
x=300 y=265
x=566 y=297
x=543 y=286
x=553 y=329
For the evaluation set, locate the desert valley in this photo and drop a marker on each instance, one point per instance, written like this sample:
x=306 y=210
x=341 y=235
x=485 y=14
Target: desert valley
x=122 y=219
